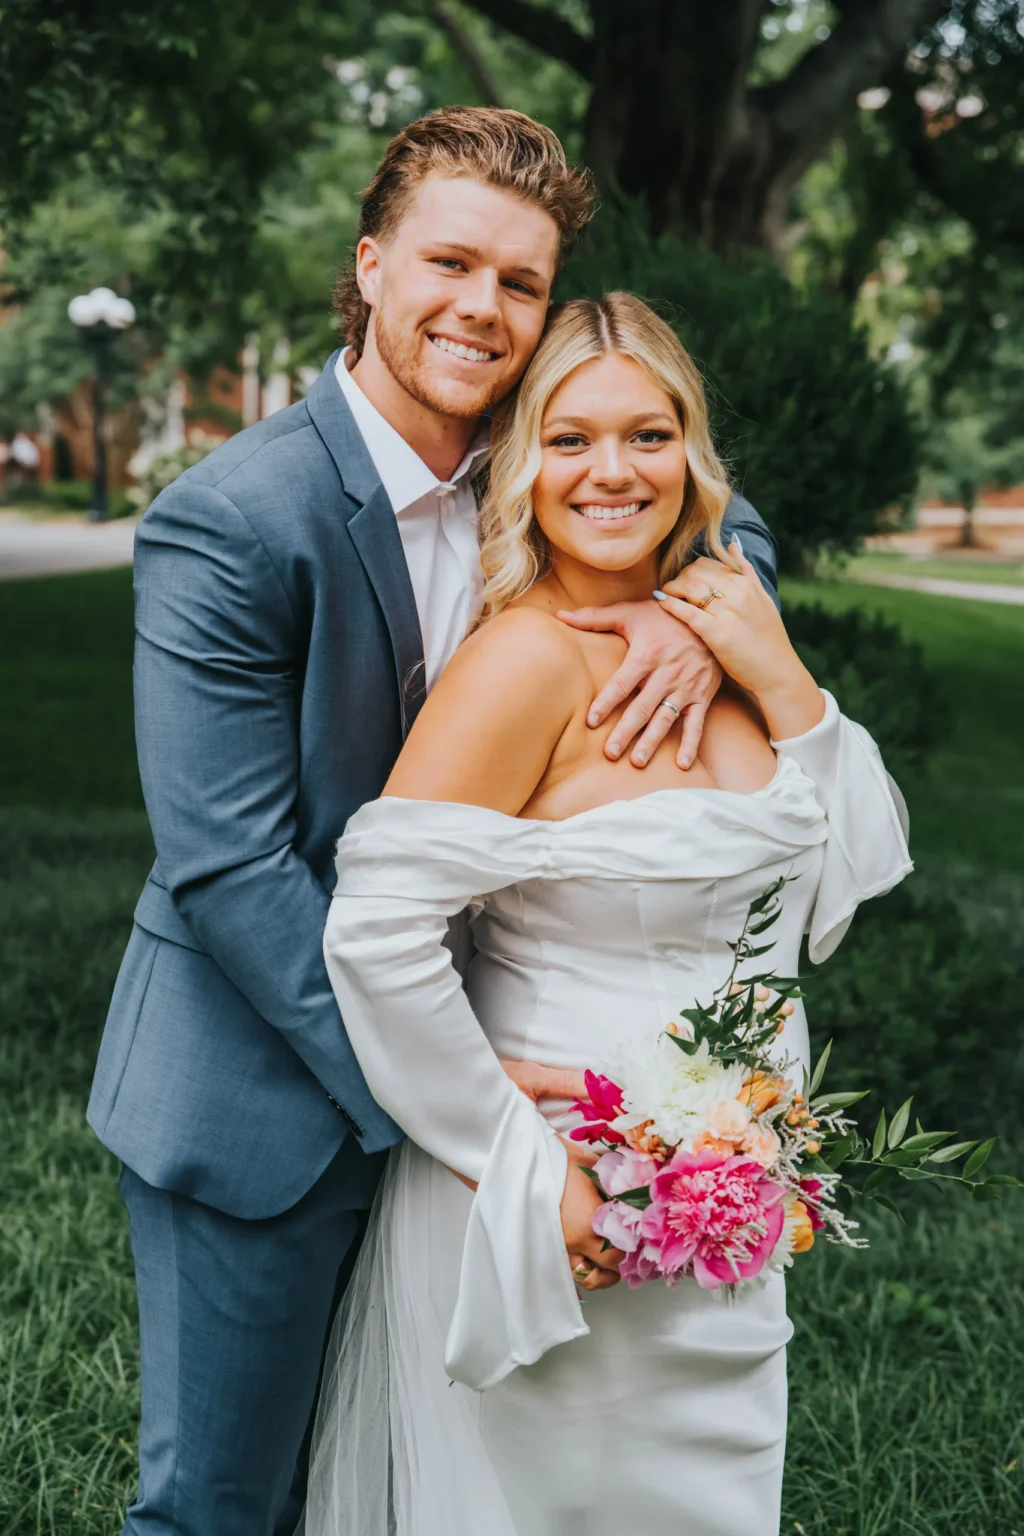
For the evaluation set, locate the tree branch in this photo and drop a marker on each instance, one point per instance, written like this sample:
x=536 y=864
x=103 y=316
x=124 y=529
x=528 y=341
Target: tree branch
x=814 y=98
x=468 y=52
x=542 y=29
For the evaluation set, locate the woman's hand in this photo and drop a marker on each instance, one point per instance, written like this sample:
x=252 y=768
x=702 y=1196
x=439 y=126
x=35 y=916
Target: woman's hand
x=743 y=629
x=594 y=1268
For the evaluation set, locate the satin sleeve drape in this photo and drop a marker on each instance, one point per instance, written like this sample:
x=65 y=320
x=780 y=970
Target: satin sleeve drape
x=865 y=851
x=429 y=1064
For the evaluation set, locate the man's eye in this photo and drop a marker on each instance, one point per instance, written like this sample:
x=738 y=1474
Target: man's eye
x=519 y=287
x=449 y=262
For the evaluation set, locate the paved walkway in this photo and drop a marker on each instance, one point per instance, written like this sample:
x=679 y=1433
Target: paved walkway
x=942 y=586
x=31 y=547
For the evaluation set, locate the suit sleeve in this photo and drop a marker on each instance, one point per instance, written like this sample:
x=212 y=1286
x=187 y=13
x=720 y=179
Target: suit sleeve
x=217 y=661
x=758 y=544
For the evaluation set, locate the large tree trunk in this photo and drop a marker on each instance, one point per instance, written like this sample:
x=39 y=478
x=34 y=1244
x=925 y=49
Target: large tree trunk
x=672 y=116
x=670 y=119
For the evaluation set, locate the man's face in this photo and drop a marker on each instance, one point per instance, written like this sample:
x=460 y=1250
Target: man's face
x=459 y=292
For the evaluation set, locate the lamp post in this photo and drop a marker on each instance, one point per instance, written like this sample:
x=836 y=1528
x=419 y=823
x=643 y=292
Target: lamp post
x=98 y=314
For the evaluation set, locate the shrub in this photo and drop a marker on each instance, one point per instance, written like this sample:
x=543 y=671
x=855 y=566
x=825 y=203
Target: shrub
x=817 y=434
x=879 y=678
x=917 y=1002
x=156 y=474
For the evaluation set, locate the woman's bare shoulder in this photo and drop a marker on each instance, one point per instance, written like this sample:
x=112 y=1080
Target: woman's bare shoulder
x=487 y=730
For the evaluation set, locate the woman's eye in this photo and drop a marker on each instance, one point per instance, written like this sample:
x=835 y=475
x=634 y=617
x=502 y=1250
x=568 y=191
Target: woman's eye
x=650 y=435
x=567 y=440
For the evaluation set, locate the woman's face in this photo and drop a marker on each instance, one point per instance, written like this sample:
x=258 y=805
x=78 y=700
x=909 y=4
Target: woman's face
x=613 y=465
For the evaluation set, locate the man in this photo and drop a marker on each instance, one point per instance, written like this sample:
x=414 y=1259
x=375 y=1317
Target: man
x=296 y=594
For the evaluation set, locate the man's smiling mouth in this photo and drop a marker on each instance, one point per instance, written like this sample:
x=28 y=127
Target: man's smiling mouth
x=600 y=512
x=463 y=351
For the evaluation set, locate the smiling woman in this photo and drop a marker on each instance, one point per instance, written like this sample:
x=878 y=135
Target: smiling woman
x=568 y=457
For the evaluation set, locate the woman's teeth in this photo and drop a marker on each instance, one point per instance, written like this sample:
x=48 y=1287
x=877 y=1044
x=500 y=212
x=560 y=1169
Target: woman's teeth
x=472 y=354
x=610 y=514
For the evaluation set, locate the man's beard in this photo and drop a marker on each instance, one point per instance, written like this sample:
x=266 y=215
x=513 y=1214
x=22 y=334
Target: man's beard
x=398 y=357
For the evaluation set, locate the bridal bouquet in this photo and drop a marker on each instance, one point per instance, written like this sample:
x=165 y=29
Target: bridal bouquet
x=719 y=1159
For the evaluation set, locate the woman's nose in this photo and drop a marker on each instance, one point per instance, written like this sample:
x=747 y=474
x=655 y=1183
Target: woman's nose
x=611 y=467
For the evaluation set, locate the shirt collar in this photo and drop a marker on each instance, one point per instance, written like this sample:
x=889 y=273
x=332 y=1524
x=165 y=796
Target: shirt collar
x=403 y=473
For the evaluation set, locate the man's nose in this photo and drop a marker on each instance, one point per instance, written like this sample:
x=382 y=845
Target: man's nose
x=478 y=297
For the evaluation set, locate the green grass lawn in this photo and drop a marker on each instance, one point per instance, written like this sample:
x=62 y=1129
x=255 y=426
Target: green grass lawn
x=906 y=1367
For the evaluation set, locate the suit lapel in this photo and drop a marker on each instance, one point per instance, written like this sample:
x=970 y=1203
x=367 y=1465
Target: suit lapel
x=375 y=535
x=379 y=546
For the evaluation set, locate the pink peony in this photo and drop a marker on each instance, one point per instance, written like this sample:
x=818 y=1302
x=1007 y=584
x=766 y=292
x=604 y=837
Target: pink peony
x=604 y=1104
x=618 y=1224
x=619 y=1171
x=639 y=1266
x=720 y=1214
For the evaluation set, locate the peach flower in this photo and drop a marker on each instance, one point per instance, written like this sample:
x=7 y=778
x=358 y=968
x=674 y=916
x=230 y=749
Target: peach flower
x=801 y=1228
x=728 y=1120
x=760 y=1092
x=705 y=1142
x=762 y=1144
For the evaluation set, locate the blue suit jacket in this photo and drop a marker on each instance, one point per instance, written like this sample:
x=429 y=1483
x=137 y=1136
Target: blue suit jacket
x=278 y=667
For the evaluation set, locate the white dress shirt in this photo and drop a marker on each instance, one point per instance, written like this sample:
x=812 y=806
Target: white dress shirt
x=437 y=523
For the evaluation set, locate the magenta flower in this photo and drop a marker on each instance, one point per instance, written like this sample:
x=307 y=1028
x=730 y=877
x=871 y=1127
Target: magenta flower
x=604 y=1104
x=639 y=1266
x=719 y=1214
x=812 y=1199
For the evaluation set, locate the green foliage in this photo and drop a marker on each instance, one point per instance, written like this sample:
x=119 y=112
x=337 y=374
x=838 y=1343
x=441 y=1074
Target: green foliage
x=916 y=1000
x=878 y=676
x=160 y=472
x=816 y=433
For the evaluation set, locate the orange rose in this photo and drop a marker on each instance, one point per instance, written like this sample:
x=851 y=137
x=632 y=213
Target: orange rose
x=760 y=1092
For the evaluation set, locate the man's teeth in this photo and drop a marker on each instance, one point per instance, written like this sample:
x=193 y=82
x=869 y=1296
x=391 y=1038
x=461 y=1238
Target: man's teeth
x=609 y=514
x=472 y=354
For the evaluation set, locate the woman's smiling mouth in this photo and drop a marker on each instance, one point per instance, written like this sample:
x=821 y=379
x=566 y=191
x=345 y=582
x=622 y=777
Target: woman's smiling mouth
x=599 y=511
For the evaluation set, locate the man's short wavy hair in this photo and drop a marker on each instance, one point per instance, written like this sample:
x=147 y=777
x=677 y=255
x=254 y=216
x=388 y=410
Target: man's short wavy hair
x=498 y=147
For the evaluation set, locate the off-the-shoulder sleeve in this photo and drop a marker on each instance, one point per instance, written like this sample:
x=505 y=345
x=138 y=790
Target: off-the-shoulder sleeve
x=866 y=851
x=404 y=869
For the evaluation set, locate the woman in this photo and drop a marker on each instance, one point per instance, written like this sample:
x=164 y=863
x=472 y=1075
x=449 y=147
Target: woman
x=468 y=1391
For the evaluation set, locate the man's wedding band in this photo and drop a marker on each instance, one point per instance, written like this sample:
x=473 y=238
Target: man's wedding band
x=583 y=1270
x=667 y=704
x=713 y=592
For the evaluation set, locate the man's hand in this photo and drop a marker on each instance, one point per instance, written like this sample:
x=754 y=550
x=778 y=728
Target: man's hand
x=669 y=664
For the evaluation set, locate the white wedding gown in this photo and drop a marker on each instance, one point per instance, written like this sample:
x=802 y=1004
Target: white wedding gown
x=467 y=1392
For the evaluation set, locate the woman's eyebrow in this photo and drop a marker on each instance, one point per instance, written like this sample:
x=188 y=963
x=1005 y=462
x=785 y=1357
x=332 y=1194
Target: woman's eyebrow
x=630 y=421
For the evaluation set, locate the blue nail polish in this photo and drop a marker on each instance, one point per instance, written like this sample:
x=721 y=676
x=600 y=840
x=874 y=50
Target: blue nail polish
x=661 y=596
x=738 y=542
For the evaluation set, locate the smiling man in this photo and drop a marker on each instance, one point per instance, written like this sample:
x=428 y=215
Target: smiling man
x=296 y=595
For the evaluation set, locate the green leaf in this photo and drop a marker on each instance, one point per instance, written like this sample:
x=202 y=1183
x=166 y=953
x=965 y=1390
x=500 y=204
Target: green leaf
x=878 y=1141
x=834 y=1156
x=640 y=1198
x=984 y=1193
x=951 y=1153
x=1005 y=1178
x=900 y=1121
x=922 y=1140
x=874 y=1179
x=819 y=1071
x=890 y=1205
x=689 y=1047
x=979 y=1157
x=831 y=1101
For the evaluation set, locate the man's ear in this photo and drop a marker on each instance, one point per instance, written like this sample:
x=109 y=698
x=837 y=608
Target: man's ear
x=368 y=270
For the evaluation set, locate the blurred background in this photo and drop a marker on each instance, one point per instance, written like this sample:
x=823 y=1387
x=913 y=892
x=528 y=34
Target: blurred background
x=827 y=199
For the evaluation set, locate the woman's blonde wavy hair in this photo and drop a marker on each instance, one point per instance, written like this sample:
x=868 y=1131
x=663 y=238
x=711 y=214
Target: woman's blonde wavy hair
x=514 y=551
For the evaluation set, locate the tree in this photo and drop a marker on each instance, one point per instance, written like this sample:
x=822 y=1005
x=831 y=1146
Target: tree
x=678 y=116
